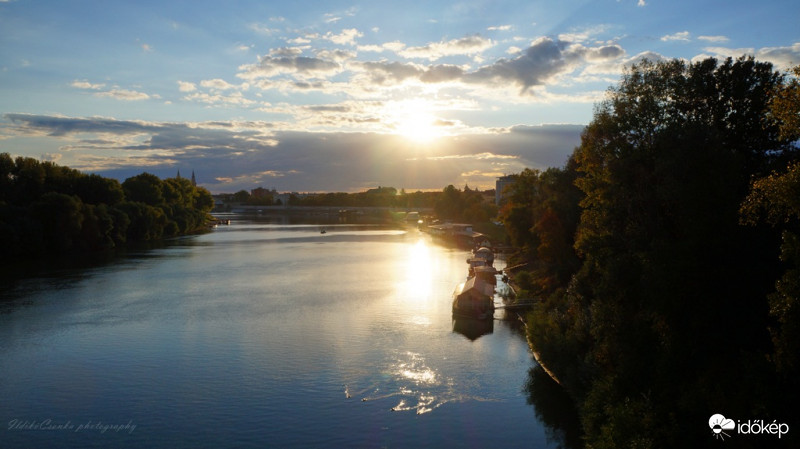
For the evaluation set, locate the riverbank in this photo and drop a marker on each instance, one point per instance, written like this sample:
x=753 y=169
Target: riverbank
x=514 y=287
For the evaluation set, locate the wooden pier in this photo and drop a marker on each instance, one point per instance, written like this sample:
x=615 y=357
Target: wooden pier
x=518 y=305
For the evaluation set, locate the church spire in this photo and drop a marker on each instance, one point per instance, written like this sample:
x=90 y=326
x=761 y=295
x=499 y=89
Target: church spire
x=194 y=181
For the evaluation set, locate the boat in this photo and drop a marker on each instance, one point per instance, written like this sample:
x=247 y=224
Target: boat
x=461 y=234
x=485 y=254
x=481 y=265
x=487 y=274
x=474 y=299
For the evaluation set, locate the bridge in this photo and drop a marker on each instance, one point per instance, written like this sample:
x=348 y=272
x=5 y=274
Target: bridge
x=328 y=209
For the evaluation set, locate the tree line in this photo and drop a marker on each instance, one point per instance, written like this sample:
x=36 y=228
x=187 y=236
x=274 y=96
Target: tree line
x=451 y=203
x=49 y=209
x=667 y=253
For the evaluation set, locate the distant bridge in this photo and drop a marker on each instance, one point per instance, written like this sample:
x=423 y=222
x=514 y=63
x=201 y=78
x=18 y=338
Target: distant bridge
x=330 y=209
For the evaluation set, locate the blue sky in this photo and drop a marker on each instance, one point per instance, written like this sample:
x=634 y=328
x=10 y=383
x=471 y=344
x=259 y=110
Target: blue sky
x=341 y=96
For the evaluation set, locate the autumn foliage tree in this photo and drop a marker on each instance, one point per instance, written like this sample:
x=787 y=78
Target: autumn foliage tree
x=775 y=200
x=670 y=296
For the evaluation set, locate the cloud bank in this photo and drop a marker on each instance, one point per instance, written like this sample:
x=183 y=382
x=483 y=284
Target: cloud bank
x=229 y=156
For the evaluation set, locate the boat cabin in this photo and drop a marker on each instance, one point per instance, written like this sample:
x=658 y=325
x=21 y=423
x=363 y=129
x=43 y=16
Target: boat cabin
x=474 y=298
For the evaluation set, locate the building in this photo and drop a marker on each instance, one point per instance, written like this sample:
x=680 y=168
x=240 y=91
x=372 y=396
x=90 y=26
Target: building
x=194 y=180
x=500 y=185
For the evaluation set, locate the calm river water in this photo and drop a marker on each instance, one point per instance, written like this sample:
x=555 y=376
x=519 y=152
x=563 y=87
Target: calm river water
x=262 y=334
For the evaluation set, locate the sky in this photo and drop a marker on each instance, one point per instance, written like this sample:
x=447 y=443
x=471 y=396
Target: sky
x=341 y=95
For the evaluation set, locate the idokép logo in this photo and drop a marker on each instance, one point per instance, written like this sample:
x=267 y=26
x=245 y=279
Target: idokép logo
x=719 y=424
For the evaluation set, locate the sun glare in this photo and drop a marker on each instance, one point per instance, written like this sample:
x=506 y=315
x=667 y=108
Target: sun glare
x=420 y=128
x=413 y=120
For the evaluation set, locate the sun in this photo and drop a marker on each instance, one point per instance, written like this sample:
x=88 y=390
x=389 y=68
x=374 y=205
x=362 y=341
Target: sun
x=420 y=128
x=413 y=120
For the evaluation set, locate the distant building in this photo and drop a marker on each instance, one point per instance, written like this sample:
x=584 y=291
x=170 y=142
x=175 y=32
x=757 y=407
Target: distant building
x=382 y=190
x=194 y=180
x=500 y=185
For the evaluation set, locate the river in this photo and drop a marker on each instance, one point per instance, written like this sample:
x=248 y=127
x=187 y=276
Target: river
x=266 y=334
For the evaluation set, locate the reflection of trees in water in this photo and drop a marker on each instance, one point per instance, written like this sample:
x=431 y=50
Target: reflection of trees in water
x=554 y=408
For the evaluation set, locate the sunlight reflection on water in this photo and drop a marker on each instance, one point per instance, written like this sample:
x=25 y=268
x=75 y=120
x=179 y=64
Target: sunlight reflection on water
x=265 y=335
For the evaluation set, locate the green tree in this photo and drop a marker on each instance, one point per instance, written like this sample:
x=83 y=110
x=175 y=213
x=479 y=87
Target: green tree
x=241 y=196
x=60 y=218
x=144 y=188
x=670 y=282
x=46 y=208
x=96 y=189
x=517 y=213
x=29 y=179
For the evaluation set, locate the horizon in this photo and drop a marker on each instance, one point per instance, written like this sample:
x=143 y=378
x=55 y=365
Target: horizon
x=341 y=96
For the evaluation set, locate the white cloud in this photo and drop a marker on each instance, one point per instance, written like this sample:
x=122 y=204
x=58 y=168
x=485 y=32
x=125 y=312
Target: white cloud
x=469 y=45
x=583 y=34
x=217 y=84
x=185 y=86
x=262 y=29
x=124 y=95
x=782 y=57
x=286 y=51
x=83 y=84
x=331 y=18
x=395 y=46
x=715 y=39
x=301 y=40
x=302 y=66
x=641 y=3
x=346 y=37
x=52 y=157
x=501 y=28
x=683 y=36
x=645 y=55
x=336 y=55
x=233 y=99
x=371 y=48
